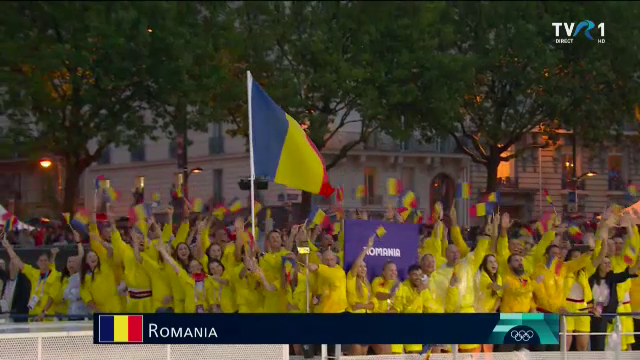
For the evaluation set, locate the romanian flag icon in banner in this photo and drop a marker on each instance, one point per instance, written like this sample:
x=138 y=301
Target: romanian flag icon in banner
x=120 y=328
x=281 y=150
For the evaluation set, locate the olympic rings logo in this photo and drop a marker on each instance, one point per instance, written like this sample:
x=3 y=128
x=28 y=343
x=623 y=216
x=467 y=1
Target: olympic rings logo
x=521 y=335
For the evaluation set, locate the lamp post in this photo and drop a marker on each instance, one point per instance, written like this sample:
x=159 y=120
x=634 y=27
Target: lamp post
x=574 y=178
x=186 y=175
x=47 y=162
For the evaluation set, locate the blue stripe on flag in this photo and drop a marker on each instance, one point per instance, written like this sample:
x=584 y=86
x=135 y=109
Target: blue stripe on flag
x=106 y=328
x=270 y=127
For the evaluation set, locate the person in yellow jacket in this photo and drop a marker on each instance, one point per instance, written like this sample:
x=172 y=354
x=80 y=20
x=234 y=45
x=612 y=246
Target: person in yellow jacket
x=578 y=296
x=66 y=300
x=550 y=292
x=219 y=295
x=271 y=265
x=507 y=246
x=137 y=279
x=626 y=251
x=634 y=292
x=159 y=271
x=98 y=284
x=488 y=288
x=411 y=300
x=517 y=292
x=460 y=292
x=42 y=281
x=359 y=294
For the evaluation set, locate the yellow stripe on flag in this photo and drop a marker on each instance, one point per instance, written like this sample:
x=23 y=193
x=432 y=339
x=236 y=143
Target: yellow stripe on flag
x=121 y=328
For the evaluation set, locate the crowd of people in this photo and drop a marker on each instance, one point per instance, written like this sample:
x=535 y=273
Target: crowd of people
x=204 y=265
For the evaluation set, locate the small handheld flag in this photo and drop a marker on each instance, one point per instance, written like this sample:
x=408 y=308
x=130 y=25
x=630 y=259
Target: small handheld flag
x=463 y=191
x=317 y=217
x=11 y=223
x=219 y=212
x=548 y=197
x=493 y=197
x=479 y=209
x=236 y=205
x=394 y=187
x=632 y=190
x=404 y=213
x=340 y=194
x=409 y=200
x=197 y=205
x=257 y=206
x=380 y=232
x=360 y=192
x=80 y=221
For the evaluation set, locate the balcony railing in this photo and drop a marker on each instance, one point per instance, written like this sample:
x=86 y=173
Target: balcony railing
x=508 y=182
x=567 y=184
x=616 y=183
x=381 y=142
x=375 y=200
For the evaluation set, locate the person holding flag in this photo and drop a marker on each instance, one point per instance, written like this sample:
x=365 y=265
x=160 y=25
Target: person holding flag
x=359 y=295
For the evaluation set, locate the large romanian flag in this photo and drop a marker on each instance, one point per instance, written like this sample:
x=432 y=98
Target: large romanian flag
x=282 y=152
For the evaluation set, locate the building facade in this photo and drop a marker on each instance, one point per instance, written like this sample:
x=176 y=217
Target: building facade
x=431 y=170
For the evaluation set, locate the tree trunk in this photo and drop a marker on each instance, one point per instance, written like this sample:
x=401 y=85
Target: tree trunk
x=71 y=182
x=492 y=170
x=305 y=205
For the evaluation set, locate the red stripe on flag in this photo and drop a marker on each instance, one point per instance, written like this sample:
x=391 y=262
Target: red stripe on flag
x=135 y=328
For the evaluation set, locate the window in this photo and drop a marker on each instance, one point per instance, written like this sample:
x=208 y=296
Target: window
x=506 y=170
x=140 y=182
x=138 y=153
x=173 y=149
x=217 y=186
x=615 y=173
x=105 y=157
x=138 y=194
x=567 y=164
x=216 y=141
x=408 y=175
x=370 y=184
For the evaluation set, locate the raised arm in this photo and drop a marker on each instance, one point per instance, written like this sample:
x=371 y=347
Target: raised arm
x=360 y=259
x=12 y=254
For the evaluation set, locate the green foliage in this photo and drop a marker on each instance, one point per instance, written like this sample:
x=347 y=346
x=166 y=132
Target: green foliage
x=320 y=62
x=513 y=78
x=107 y=72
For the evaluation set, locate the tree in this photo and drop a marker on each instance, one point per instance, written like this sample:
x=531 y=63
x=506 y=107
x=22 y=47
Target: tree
x=76 y=73
x=318 y=61
x=518 y=80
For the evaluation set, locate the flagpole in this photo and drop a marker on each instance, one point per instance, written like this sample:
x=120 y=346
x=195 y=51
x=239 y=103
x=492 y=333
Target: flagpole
x=253 y=170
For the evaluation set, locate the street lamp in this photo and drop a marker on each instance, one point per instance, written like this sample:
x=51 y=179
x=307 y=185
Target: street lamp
x=45 y=163
x=186 y=175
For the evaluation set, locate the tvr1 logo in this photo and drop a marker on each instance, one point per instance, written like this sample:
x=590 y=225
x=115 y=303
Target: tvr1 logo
x=584 y=26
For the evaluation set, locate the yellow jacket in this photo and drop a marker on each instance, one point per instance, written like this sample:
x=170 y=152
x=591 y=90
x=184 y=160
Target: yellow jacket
x=517 y=294
x=433 y=245
x=531 y=260
x=487 y=301
x=462 y=297
x=551 y=293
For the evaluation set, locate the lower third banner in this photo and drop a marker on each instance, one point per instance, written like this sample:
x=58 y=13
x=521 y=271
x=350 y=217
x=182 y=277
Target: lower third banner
x=326 y=329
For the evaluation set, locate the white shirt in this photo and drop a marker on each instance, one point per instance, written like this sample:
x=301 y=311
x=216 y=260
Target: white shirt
x=7 y=296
